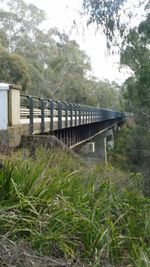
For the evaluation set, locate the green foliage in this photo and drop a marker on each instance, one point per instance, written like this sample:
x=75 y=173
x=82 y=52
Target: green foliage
x=20 y=21
x=56 y=66
x=106 y=94
x=65 y=210
x=106 y=14
x=136 y=92
x=13 y=69
x=67 y=69
x=3 y=39
x=132 y=152
x=136 y=56
x=110 y=16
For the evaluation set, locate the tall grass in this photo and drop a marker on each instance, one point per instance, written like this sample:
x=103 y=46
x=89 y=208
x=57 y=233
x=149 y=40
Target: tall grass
x=65 y=210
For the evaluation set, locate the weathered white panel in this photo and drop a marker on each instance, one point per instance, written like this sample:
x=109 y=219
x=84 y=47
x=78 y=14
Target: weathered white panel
x=4 y=86
x=3 y=106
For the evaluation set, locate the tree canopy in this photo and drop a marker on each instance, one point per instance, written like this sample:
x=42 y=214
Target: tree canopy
x=13 y=69
x=112 y=16
x=137 y=56
x=49 y=63
x=135 y=143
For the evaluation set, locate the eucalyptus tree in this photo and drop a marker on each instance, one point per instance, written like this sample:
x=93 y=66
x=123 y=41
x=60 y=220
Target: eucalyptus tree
x=134 y=46
x=20 y=21
x=111 y=16
x=136 y=90
x=55 y=65
x=137 y=57
x=13 y=69
x=19 y=24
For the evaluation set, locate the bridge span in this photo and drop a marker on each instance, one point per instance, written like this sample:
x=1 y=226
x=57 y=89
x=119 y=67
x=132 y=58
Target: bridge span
x=24 y=115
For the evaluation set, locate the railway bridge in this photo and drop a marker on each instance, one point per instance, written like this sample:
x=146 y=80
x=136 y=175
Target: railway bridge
x=24 y=115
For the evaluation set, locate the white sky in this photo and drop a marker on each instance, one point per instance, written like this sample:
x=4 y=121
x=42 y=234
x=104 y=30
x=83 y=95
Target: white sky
x=61 y=14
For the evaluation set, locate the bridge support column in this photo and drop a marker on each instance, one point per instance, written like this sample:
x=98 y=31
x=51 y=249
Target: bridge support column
x=103 y=142
x=92 y=147
x=10 y=128
x=110 y=138
x=101 y=147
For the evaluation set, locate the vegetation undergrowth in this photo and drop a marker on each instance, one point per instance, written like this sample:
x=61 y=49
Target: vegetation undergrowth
x=62 y=209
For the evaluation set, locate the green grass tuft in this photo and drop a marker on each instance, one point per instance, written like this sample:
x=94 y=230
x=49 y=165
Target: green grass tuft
x=65 y=210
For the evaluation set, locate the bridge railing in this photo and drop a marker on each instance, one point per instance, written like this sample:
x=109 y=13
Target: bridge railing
x=43 y=115
x=23 y=114
x=52 y=115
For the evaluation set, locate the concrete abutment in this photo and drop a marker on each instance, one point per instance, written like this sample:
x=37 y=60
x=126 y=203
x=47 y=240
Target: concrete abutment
x=10 y=128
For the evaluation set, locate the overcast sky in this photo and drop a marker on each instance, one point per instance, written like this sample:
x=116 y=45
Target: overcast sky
x=61 y=14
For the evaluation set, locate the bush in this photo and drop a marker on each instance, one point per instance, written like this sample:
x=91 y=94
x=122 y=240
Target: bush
x=132 y=152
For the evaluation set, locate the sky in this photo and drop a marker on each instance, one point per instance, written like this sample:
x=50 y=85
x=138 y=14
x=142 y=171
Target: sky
x=61 y=14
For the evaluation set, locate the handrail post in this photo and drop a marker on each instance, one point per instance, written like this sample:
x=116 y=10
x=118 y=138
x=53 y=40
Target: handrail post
x=86 y=114
x=91 y=114
x=83 y=115
x=51 y=114
x=42 y=115
x=70 y=105
x=99 y=114
x=75 y=109
x=31 y=126
x=59 y=115
x=66 y=115
x=94 y=114
x=79 y=115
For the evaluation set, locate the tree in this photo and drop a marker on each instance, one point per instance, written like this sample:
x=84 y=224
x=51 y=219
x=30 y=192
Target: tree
x=136 y=90
x=13 y=69
x=3 y=39
x=20 y=22
x=56 y=66
x=19 y=25
x=69 y=69
x=108 y=15
x=104 y=13
x=107 y=95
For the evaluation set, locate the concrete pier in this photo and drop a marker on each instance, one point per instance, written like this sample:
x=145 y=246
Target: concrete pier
x=98 y=146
